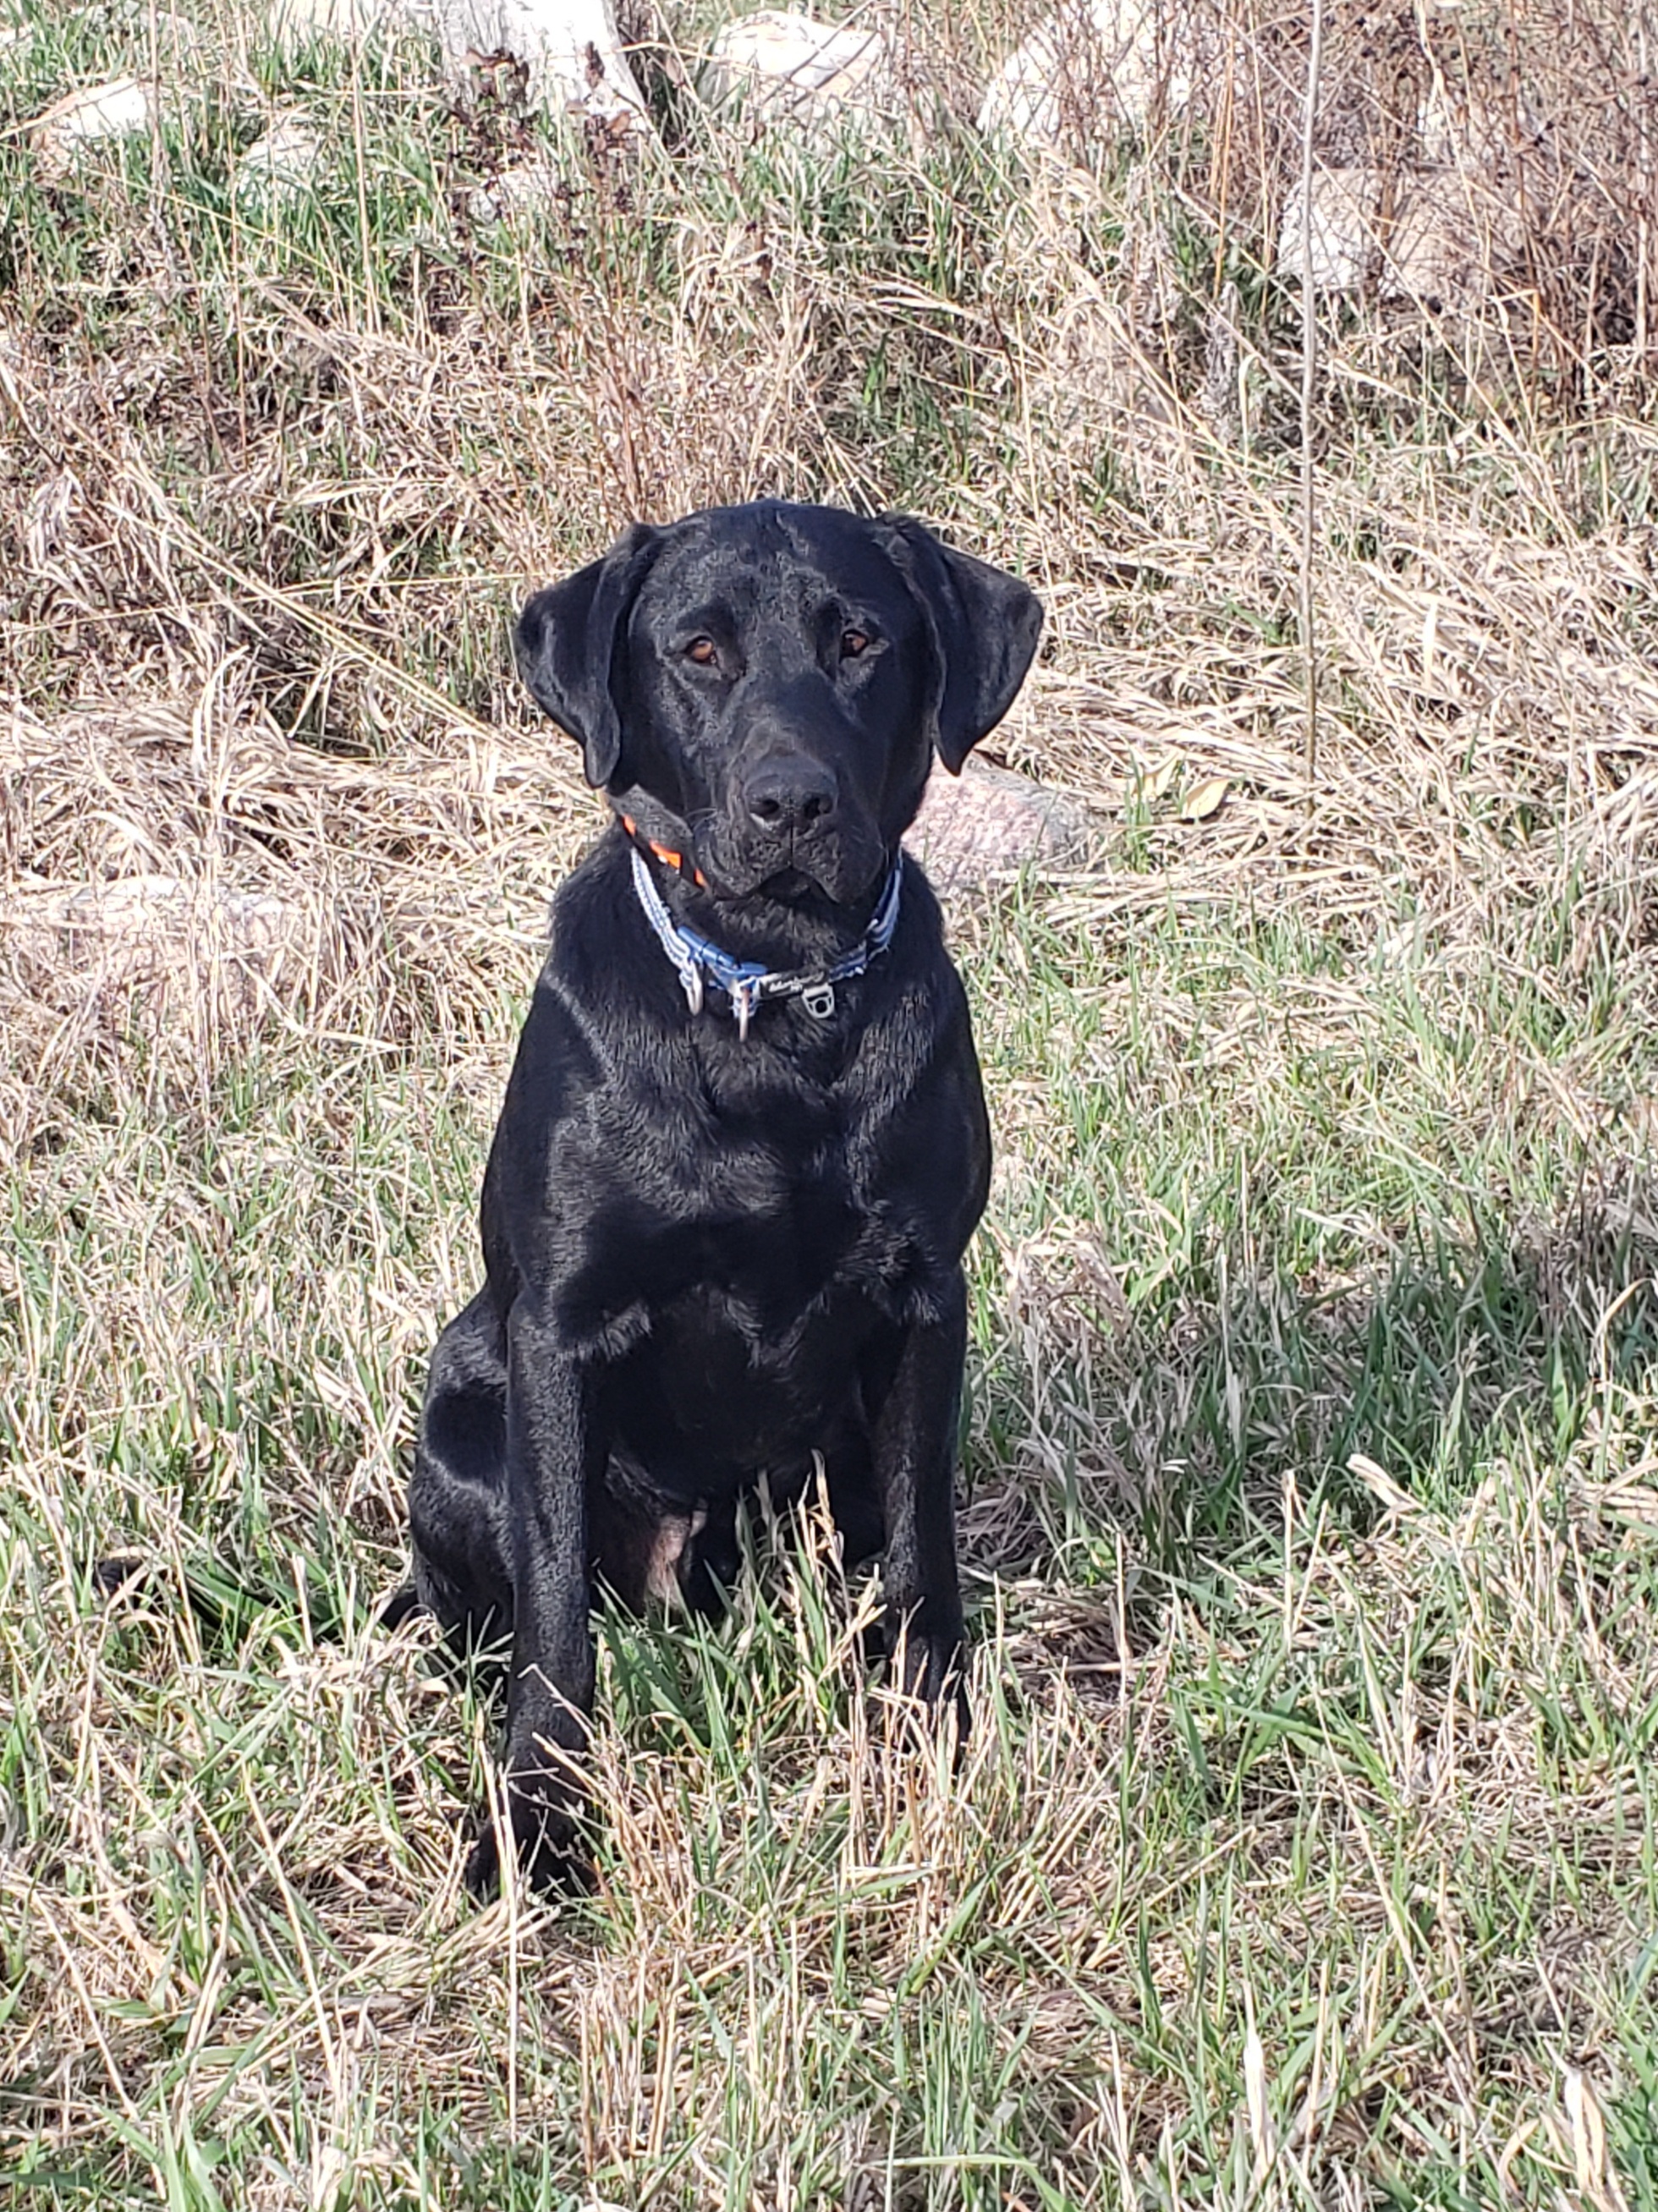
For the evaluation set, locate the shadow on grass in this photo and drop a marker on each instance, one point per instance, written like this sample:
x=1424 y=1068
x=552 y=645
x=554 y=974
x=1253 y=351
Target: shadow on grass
x=1176 y=1428
x=1118 y=1455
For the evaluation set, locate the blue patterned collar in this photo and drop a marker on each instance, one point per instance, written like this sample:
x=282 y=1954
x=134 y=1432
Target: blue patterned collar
x=745 y=984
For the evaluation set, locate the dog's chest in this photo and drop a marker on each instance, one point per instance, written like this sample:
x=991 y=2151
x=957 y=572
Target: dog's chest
x=781 y=1221
x=755 y=1321
x=760 y=1227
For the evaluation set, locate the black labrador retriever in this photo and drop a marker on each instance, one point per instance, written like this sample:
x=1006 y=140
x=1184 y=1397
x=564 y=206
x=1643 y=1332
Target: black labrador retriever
x=743 y=1144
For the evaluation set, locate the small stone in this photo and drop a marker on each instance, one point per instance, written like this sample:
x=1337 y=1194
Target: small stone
x=1115 y=59
x=779 y=67
x=279 y=163
x=1345 y=207
x=515 y=193
x=118 y=109
x=989 y=822
x=179 y=948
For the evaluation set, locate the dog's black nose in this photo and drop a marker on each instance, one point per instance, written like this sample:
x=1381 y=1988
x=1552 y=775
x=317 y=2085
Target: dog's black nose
x=789 y=794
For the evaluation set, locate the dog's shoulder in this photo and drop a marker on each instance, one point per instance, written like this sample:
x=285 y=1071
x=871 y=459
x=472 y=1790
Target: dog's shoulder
x=604 y=966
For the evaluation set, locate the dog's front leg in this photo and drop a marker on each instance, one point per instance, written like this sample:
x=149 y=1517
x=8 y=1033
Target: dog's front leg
x=914 y=1436
x=552 y=1450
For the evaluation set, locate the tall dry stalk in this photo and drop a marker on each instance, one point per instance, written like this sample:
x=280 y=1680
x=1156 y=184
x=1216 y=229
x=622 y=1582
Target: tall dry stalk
x=1309 y=374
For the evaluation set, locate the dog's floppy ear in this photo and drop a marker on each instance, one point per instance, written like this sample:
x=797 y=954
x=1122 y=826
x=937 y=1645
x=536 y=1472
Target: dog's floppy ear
x=982 y=624
x=566 y=642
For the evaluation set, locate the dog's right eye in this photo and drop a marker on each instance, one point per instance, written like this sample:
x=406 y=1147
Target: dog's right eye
x=703 y=651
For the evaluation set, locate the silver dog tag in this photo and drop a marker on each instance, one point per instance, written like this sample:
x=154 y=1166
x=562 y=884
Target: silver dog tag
x=818 y=1000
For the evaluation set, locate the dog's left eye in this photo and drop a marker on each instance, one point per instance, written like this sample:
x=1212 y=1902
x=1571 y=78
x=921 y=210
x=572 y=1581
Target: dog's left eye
x=703 y=651
x=853 y=643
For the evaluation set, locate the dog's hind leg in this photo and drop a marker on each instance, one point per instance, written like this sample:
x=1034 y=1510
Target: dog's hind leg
x=651 y=1547
x=458 y=1510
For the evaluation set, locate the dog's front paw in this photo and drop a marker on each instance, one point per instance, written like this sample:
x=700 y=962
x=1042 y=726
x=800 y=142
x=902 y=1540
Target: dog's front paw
x=540 y=1822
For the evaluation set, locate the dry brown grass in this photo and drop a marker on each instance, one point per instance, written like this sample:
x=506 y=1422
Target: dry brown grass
x=1302 y=1856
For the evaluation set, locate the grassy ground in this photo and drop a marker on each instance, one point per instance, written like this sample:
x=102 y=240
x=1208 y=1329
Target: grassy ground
x=1304 y=1854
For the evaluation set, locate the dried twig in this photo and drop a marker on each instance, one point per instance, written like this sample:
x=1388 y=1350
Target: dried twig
x=1309 y=374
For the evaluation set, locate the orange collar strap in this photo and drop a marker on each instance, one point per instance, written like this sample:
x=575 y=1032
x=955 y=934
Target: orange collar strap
x=665 y=853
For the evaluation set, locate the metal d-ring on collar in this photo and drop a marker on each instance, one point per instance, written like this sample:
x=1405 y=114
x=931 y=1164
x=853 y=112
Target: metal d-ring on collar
x=745 y=982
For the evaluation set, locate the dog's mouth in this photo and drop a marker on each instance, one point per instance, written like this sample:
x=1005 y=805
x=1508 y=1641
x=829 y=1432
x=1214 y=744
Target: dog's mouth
x=789 y=885
x=839 y=871
x=832 y=885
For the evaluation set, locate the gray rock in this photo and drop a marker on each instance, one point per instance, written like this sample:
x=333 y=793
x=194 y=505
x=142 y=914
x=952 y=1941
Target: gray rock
x=118 y=109
x=1345 y=206
x=989 y=822
x=1106 y=60
x=569 y=50
x=279 y=163
x=780 y=67
x=1453 y=229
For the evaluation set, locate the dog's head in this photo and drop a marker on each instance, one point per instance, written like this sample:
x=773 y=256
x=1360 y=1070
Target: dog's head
x=776 y=679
